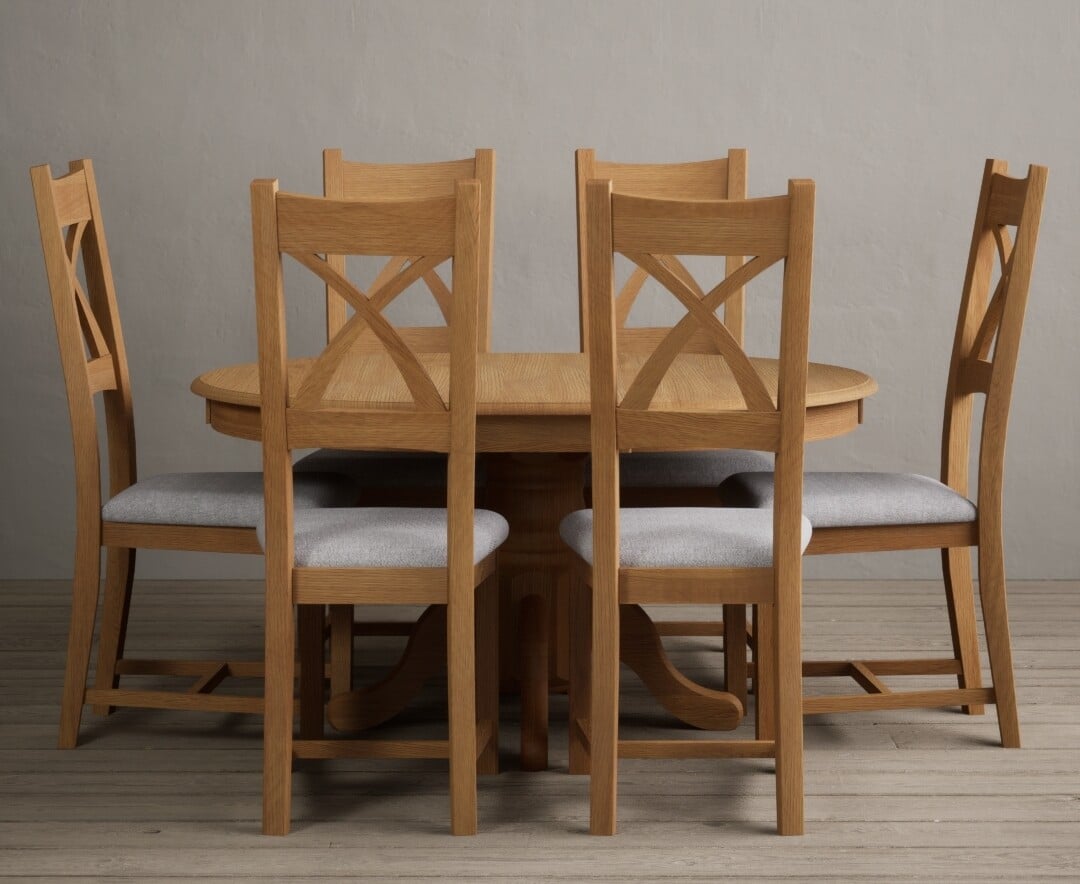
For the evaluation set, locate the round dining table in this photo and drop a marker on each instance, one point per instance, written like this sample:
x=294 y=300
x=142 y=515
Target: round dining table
x=533 y=431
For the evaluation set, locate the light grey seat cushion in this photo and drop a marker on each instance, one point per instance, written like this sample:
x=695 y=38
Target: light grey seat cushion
x=220 y=500
x=384 y=537
x=383 y=469
x=840 y=500
x=683 y=537
x=684 y=469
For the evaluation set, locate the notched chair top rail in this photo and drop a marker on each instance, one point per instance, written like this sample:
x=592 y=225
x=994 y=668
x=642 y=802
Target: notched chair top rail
x=307 y=226
x=642 y=227
x=72 y=208
x=377 y=227
x=306 y=229
x=350 y=180
x=72 y=198
x=703 y=227
x=1006 y=202
x=375 y=181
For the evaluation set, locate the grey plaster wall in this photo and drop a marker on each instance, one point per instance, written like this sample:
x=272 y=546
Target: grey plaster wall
x=891 y=107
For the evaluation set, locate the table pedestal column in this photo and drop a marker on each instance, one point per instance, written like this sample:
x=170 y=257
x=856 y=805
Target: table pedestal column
x=534 y=492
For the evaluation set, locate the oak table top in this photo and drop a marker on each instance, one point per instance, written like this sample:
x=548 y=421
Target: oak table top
x=537 y=401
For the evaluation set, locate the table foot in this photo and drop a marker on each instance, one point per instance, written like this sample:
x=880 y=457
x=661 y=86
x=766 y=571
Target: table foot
x=424 y=656
x=640 y=648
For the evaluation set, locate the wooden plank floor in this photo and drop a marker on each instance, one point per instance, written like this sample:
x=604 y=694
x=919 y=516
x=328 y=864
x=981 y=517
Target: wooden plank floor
x=915 y=795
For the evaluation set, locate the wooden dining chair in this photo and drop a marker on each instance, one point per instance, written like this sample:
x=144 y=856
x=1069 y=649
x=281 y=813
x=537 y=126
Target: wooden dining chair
x=692 y=555
x=675 y=478
x=873 y=512
x=201 y=512
x=399 y=478
x=381 y=555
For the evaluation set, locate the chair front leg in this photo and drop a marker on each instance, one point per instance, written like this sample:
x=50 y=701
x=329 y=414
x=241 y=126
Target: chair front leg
x=487 y=670
x=84 y=598
x=765 y=672
x=341 y=649
x=580 y=653
x=311 y=620
x=960 y=597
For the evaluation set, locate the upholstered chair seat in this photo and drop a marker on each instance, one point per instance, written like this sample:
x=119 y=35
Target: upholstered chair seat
x=224 y=500
x=384 y=537
x=683 y=537
x=842 y=500
x=686 y=469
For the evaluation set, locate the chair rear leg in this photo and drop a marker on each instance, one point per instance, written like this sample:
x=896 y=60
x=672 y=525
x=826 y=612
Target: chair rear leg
x=604 y=716
x=84 y=598
x=960 y=596
x=998 y=643
x=280 y=678
x=786 y=662
x=119 y=576
x=461 y=686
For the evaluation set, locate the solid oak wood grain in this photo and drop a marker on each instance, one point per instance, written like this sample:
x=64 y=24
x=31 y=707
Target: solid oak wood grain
x=724 y=178
x=94 y=361
x=533 y=385
x=283 y=224
x=640 y=226
x=983 y=361
x=350 y=180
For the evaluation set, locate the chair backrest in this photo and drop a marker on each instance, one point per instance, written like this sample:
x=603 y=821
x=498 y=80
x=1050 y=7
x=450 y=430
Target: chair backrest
x=651 y=233
x=989 y=327
x=87 y=329
x=330 y=407
x=346 y=180
x=719 y=179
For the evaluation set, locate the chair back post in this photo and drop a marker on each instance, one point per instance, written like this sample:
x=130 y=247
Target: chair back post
x=988 y=329
x=280 y=617
x=91 y=343
x=718 y=179
x=273 y=376
x=461 y=484
x=791 y=396
x=334 y=188
x=461 y=478
x=584 y=172
x=347 y=180
x=119 y=407
x=1006 y=349
x=787 y=502
x=603 y=371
